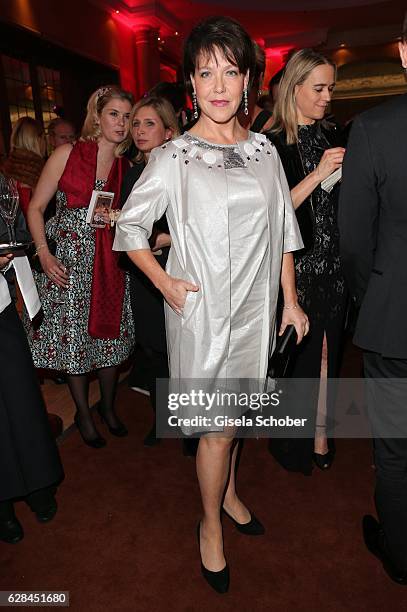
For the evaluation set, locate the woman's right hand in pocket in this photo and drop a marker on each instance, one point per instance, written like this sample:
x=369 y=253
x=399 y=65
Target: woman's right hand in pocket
x=175 y=292
x=331 y=160
x=54 y=269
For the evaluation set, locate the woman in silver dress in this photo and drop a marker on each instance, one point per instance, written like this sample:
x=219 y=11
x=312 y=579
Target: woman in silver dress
x=232 y=229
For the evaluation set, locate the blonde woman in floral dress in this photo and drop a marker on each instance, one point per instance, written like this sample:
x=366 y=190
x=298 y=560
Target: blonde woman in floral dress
x=92 y=329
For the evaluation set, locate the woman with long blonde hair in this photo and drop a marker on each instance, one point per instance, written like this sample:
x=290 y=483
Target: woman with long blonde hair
x=87 y=325
x=310 y=150
x=28 y=149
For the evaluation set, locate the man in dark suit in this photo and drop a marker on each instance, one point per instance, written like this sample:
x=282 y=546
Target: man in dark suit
x=373 y=230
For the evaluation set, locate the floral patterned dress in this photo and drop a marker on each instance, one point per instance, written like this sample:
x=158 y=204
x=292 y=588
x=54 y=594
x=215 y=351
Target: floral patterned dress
x=62 y=342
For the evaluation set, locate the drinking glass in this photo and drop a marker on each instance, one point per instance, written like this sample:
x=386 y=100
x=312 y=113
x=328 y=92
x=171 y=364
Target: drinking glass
x=9 y=205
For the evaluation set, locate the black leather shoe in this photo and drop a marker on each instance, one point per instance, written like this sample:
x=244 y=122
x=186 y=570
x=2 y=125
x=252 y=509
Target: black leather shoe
x=374 y=537
x=252 y=528
x=11 y=531
x=44 y=515
x=219 y=581
x=97 y=442
x=120 y=431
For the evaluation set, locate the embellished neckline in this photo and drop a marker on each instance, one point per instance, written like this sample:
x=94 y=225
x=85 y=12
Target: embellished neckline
x=197 y=140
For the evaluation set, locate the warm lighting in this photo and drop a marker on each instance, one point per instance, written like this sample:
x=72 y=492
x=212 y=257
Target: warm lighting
x=176 y=33
x=342 y=45
x=117 y=12
x=158 y=38
x=277 y=52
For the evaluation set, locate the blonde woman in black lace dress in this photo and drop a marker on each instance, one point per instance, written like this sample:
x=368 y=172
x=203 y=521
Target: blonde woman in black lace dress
x=310 y=151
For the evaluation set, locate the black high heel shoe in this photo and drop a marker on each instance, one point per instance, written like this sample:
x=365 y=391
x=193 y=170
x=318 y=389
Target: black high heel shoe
x=252 y=528
x=324 y=461
x=219 y=581
x=97 y=442
x=120 y=431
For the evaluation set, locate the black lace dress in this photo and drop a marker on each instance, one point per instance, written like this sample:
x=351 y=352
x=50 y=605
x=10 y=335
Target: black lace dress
x=320 y=282
x=322 y=294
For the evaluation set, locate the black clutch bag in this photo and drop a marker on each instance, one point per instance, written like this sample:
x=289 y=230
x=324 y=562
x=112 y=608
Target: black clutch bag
x=284 y=348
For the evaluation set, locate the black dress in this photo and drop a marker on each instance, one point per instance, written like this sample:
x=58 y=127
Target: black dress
x=151 y=360
x=29 y=459
x=319 y=278
x=320 y=283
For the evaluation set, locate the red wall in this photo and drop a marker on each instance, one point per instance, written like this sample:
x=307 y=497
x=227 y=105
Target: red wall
x=79 y=27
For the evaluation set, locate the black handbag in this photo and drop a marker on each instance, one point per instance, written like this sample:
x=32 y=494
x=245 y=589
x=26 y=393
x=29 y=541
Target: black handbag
x=285 y=345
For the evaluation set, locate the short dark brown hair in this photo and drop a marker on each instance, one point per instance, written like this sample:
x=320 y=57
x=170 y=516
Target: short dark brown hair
x=221 y=33
x=173 y=92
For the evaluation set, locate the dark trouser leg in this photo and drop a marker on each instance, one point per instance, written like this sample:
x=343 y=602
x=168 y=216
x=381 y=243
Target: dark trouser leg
x=41 y=499
x=155 y=366
x=387 y=405
x=6 y=510
x=29 y=457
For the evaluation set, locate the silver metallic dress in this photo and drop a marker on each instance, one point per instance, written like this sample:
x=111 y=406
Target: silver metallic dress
x=231 y=219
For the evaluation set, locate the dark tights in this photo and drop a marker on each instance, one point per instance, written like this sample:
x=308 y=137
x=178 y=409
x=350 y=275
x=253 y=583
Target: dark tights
x=79 y=388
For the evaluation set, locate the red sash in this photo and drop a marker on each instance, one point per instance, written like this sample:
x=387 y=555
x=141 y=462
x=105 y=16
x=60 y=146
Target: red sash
x=108 y=281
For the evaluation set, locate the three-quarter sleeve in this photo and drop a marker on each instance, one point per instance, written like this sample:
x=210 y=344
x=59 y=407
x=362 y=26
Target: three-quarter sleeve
x=292 y=234
x=146 y=204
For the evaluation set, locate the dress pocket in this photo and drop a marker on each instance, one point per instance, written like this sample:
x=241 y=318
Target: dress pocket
x=189 y=304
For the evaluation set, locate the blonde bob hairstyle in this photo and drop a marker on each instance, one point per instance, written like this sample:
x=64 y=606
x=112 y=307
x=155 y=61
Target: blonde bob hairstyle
x=297 y=70
x=164 y=110
x=29 y=134
x=96 y=103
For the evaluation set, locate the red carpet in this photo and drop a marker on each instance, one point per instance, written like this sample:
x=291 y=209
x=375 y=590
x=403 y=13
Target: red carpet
x=124 y=536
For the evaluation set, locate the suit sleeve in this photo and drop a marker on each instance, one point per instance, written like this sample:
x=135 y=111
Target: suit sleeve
x=146 y=204
x=358 y=211
x=22 y=233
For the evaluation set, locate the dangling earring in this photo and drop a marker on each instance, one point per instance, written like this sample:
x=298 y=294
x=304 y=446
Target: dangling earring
x=195 y=105
x=245 y=102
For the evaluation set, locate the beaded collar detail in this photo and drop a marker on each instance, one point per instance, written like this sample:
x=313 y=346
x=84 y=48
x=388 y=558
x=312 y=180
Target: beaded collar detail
x=228 y=156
